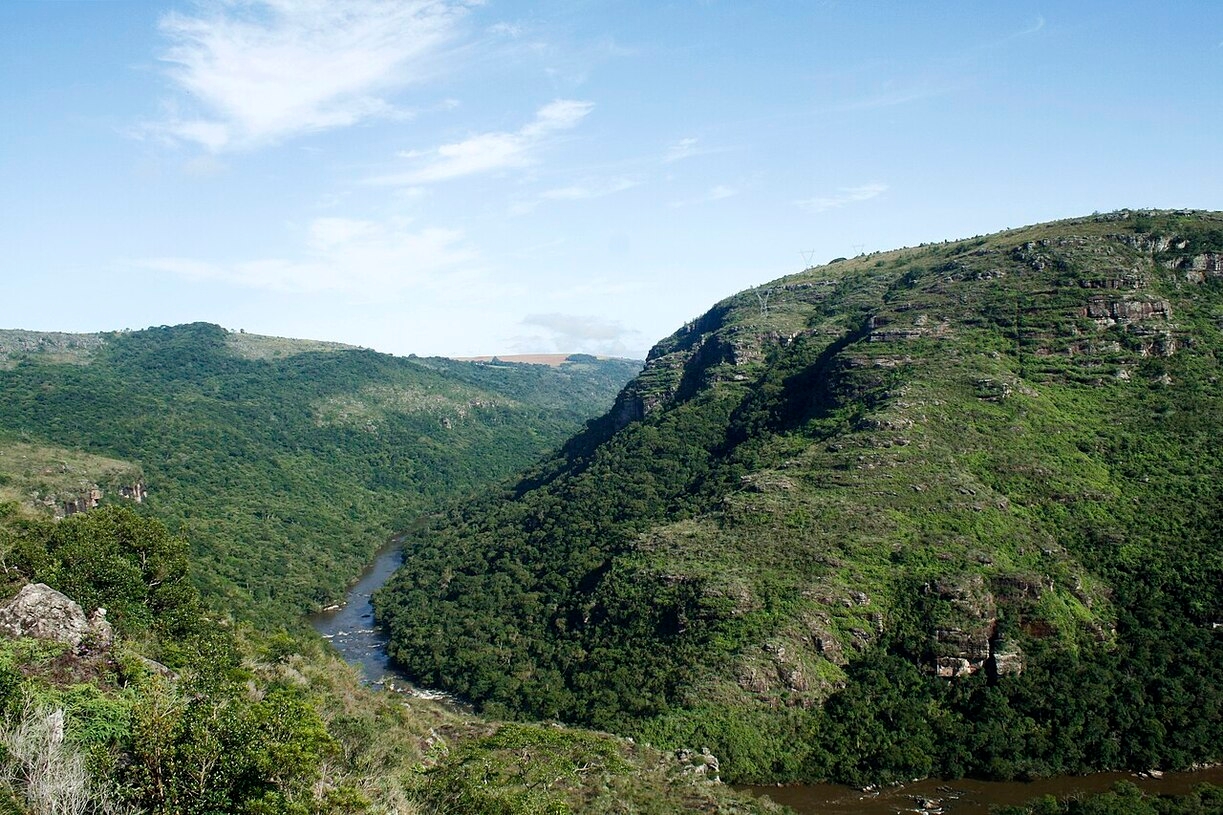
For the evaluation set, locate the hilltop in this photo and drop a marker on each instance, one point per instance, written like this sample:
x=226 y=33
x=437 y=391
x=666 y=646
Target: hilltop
x=946 y=509
x=285 y=462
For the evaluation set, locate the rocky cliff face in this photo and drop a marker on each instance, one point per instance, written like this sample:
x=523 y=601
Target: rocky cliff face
x=91 y=498
x=59 y=481
x=1089 y=303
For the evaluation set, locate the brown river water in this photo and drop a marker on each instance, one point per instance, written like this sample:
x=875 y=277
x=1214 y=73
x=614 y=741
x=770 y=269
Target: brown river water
x=352 y=631
x=968 y=797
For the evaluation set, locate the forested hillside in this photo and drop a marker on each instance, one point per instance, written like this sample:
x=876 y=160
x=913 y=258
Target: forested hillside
x=164 y=705
x=282 y=463
x=943 y=510
x=285 y=463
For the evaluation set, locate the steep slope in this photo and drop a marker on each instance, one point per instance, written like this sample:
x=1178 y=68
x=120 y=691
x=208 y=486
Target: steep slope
x=939 y=510
x=287 y=462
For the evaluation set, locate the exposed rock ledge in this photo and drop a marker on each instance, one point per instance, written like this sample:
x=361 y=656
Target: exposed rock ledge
x=42 y=612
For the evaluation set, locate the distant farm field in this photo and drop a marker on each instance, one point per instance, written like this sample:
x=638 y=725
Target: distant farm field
x=554 y=360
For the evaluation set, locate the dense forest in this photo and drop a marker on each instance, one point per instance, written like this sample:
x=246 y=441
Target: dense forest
x=939 y=511
x=268 y=471
x=183 y=712
x=284 y=463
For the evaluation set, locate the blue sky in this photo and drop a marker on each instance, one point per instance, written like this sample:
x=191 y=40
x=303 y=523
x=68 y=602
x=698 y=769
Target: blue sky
x=461 y=178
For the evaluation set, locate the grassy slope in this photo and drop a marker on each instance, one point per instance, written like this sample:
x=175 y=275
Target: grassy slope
x=39 y=477
x=1006 y=441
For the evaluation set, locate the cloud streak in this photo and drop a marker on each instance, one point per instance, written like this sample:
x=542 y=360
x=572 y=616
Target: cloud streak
x=486 y=152
x=576 y=332
x=719 y=192
x=590 y=189
x=260 y=71
x=342 y=255
x=689 y=148
x=843 y=197
x=682 y=149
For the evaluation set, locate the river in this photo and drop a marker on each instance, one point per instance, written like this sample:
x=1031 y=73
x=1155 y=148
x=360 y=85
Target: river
x=352 y=631
x=351 y=628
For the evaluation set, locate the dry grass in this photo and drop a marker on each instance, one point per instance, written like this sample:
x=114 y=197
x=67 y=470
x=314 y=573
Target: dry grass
x=31 y=473
x=259 y=346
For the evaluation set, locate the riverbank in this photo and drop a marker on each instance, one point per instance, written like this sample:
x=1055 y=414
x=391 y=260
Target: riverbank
x=969 y=796
x=352 y=631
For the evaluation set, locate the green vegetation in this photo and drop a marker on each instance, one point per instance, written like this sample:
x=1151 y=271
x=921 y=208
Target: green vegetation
x=545 y=768
x=204 y=731
x=278 y=464
x=285 y=463
x=1126 y=799
x=944 y=510
x=941 y=511
x=40 y=477
x=186 y=712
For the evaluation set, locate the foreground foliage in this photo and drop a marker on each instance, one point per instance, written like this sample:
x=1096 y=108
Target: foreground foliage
x=228 y=720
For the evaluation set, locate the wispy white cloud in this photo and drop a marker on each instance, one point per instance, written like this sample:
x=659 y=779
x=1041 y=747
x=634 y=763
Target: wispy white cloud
x=1036 y=26
x=681 y=149
x=689 y=148
x=718 y=192
x=902 y=95
x=518 y=209
x=486 y=152
x=258 y=71
x=577 y=332
x=595 y=188
x=844 y=196
x=503 y=29
x=1007 y=38
x=204 y=166
x=944 y=75
x=584 y=190
x=346 y=255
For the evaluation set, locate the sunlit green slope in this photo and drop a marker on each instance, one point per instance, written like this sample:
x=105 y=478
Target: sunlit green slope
x=947 y=509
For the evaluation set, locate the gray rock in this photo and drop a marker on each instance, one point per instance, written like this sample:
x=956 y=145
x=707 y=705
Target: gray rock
x=1008 y=658
x=40 y=611
x=156 y=668
x=100 y=629
x=703 y=765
